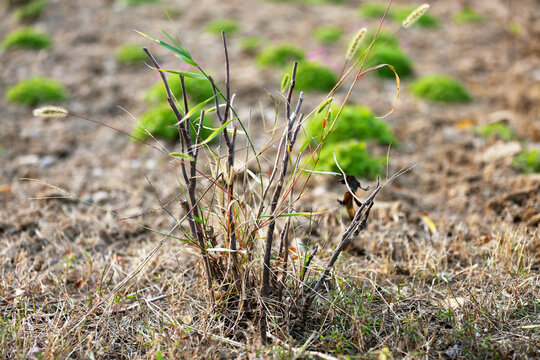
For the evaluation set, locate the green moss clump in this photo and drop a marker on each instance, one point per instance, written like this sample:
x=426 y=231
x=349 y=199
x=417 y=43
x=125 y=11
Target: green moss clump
x=527 y=161
x=197 y=90
x=230 y=26
x=372 y=10
x=280 y=55
x=35 y=91
x=26 y=38
x=130 y=54
x=395 y=57
x=355 y=122
x=140 y=2
x=31 y=11
x=499 y=129
x=440 y=88
x=311 y=76
x=468 y=15
x=161 y=122
x=354 y=159
x=251 y=44
x=328 y=34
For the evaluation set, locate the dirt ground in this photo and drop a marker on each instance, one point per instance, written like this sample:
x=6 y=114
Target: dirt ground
x=59 y=255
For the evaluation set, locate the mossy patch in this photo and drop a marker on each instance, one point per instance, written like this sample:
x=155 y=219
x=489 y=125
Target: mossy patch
x=498 y=129
x=35 y=91
x=440 y=88
x=353 y=158
x=528 y=161
x=130 y=54
x=312 y=76
x=31 y=11
x=395 y=57
x=161 y=122
x=197 y=90
x=468 y=15
x=280 y=55
x=328 y=34
x=251 y=44
x=355 y=122
x=140 y=2
x=216 y=26
x=375 y=10
x=26 y=38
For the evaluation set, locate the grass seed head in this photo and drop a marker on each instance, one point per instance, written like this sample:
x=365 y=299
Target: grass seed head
x=415 y=15
x=355 y=42
x=50 y=112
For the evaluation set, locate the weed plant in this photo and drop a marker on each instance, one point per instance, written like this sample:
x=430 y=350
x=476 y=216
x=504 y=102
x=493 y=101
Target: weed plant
x=280 y=55
x=496 y=129
x=216 y=26
x=441 y=89
x=328 y=34
x=31 y=12
x=130 y=54
x=394 y=56
x=527 y=161
x=468 y=15
x=312 y=76
x=251 y=44
x=26 y=38
x=35 y=91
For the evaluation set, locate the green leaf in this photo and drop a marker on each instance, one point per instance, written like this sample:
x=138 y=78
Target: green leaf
x=185 y=73
x=216 y=132
x=180 y=52
x=182 y=155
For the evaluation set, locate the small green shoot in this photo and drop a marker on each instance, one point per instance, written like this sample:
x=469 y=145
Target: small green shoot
x=280 y=55
x=328 y=34
x=441 y=89
x=130 y=54
x=216 y=26
x=26 y=38
x=528 y=161
x=35 y=91
x=312 y=76
x=31 y=11
x=498 y=129
x=468 y=15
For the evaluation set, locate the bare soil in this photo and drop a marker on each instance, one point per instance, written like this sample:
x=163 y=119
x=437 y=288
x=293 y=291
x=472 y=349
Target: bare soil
x=470 y=289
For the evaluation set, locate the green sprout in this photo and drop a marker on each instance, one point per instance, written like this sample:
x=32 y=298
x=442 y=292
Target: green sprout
x=130 y=54
x=35 y=91
x=197 y=90
x=440 y=88
x=355 y=122
x=280 y=55
x=328 y=34
x=251 y=44
x=31 y=11
x=26 y=38
x=312 y=76
x=468 y=15
x=161 y=122
x=527 y=161
x=353 y=158
x=395 y=57
x=216 y=26
x=499 y=129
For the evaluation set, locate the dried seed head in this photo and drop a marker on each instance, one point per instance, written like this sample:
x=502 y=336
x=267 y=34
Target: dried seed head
x=50 y=111
x=355 y=42
x=415 y=15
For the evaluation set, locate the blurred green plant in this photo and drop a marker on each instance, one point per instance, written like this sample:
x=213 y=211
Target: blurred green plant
x=216 y=26
x=440 y=88
x=355 y=122
x=140 y=2
x=280 y=55
x=251 y=44
x=395 y=57
x=197 y=90
x=385 y=38
x=527 y=161
x=328 y=34
x=35 y=91
x=499 y=129
x=26 y=38
x=31 y=11
x=353 y=158
x=161 y=122
x=130 y=54
x=312 y=76
x=467 y=15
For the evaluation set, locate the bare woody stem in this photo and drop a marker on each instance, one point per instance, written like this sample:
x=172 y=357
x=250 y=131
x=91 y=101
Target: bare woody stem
x=190 y=180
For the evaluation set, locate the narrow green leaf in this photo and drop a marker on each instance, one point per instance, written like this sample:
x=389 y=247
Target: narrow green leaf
x=182 y=155
x=216 y=132
x=197 y=107
x=186 y=74
x=180 y=53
